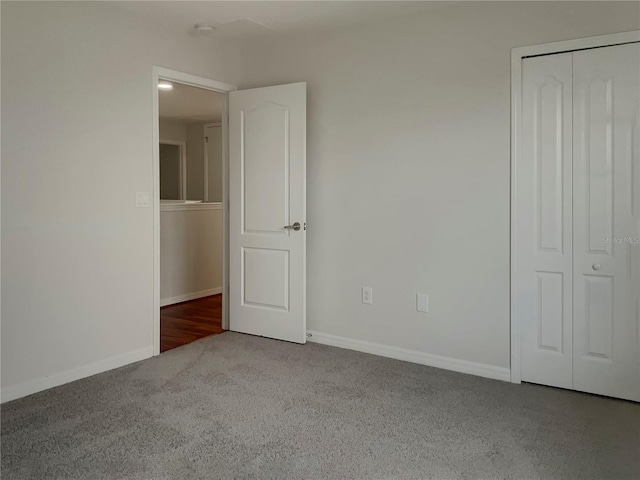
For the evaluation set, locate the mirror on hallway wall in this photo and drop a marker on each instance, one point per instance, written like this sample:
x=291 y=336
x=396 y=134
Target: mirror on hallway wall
x=172 y=170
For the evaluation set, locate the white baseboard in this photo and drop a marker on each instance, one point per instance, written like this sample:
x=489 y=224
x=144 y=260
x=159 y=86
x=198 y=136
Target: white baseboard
x=40 y=384
x=413 y=356
x=190 y=296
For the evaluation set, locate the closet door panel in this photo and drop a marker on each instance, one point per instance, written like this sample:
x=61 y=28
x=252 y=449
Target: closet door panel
x=543 y=221
x=606 y=223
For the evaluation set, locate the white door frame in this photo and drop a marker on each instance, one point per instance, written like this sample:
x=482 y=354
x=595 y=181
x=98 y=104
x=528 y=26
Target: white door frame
x=182 y=178
x=200 y=82
x=206 y=158
x=517 y=54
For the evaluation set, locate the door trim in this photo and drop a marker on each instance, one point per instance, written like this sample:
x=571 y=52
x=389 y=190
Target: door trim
x=517 y=55
x=200 y=82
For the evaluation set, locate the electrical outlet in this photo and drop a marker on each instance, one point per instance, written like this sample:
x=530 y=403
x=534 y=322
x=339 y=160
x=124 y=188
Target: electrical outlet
x=367 y=295
x=422 y=302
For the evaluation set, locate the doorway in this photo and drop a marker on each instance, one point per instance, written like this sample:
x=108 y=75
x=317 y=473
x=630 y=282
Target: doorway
x=263 y=132
x=189 y=208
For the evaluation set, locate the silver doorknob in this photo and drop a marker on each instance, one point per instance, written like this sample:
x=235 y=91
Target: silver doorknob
x=596 y=266
x=295 y=226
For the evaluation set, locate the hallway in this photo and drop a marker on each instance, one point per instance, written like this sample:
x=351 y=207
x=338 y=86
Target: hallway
x=186 y=322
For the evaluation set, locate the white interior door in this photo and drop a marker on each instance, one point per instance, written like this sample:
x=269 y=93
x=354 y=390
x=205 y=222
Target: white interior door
x=606 y=192
x=543 y=230
x=267 y=206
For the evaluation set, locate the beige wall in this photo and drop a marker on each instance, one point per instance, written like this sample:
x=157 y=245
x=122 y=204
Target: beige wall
x=175 y=130
x=190 y=251
x=77 y=255
x=409 y=166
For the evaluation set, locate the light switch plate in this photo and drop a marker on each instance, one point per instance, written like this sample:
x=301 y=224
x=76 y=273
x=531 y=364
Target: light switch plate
x=142 y=199
x=422 y=302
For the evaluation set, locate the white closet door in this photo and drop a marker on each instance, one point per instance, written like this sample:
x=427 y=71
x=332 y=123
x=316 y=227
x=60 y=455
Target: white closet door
x=543 y=230
x=606 y=196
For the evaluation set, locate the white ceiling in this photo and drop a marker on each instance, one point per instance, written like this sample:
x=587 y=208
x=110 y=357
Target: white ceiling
x=250 y=19
x=190 y=104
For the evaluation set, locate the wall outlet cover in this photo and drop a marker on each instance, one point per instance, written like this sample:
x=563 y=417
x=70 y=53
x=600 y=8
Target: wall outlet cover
x=142 y=199
x=422 y=302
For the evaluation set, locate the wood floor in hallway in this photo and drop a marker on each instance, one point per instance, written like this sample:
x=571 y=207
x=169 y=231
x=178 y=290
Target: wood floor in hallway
x=186 y=322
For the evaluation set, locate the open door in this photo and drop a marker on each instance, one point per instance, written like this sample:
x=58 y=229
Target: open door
x=267 y=206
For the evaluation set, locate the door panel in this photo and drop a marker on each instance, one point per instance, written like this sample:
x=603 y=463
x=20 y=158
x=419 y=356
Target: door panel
x=543 y=229
x=265 y=168
x=551 y=311
x=599 y=316
x=266 y=278
x=267 y=156
x=606 y=271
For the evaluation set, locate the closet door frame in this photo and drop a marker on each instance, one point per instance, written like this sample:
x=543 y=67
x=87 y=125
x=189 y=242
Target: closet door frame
x=517 y=56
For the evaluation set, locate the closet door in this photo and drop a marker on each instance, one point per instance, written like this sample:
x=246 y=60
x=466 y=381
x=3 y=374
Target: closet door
x=606 y=199
x=543 y=221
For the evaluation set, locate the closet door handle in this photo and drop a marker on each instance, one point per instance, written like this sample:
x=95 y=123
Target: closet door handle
x=596 y=266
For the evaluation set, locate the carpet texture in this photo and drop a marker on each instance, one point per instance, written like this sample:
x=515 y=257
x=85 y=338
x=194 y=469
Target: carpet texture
x=237 y=406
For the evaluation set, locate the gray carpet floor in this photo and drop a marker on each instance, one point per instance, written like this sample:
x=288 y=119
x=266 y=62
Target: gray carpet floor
x=237 y=406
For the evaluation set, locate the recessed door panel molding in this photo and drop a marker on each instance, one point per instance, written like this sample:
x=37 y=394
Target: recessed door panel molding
x=599 y=309
x=265 y=168
x=549 y=155
x=265 y=282
x=596 y=98
x=543 y=228
x=550 y=311
x=267 y=195
x=634 y=152
x=606 y=340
